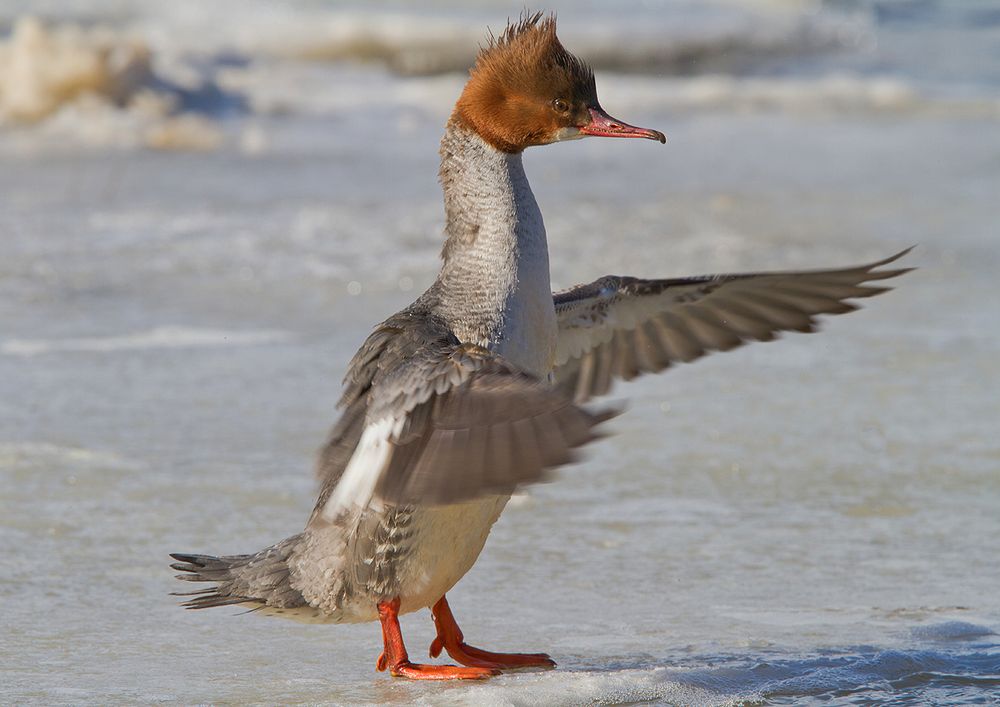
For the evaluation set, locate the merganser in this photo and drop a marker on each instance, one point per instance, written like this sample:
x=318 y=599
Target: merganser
x=475 y=389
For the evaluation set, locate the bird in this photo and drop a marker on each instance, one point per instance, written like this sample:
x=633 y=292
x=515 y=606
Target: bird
x=479 y=386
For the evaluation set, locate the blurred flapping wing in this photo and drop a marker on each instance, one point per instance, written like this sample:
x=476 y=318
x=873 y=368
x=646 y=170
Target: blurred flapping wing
x=452 y=422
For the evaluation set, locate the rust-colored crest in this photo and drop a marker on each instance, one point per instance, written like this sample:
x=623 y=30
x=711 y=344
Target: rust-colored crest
x=525 y=87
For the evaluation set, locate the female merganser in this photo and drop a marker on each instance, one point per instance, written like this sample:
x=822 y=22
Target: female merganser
x=450 y=404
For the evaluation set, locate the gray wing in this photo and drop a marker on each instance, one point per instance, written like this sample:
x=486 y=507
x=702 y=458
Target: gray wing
x=343 y=438
x=495 y=430
x=621 y=327
x=445 y=422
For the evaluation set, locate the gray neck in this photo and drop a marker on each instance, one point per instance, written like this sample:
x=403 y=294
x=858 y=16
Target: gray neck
x=496 y=254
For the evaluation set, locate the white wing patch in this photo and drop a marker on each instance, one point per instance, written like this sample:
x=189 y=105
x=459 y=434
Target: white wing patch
x=356 y=487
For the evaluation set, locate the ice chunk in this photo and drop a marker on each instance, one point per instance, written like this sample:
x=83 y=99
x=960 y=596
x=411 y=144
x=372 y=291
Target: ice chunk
x=43 y=69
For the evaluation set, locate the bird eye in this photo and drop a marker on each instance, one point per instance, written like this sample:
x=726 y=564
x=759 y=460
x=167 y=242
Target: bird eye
x=560 y=105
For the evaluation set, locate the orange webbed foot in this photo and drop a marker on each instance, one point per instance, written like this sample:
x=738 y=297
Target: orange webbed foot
x=418 y=671
x=397 y=662
x=449 y=638
x=472 y=656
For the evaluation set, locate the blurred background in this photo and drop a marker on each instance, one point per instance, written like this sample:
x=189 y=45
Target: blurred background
x=205 y=206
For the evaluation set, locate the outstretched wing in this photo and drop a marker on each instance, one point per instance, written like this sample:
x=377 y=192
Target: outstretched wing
x=446 y=422
x=621 y=327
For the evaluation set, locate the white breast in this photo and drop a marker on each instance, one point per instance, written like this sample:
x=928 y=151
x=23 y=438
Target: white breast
x=529 y=328
x=448 y=540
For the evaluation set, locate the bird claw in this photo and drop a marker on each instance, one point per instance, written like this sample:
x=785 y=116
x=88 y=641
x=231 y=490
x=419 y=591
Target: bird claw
x=437 y=645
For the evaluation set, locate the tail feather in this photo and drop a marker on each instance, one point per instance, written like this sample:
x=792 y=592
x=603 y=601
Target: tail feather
x=206 y=568
x=211 y=600
x=261 y=579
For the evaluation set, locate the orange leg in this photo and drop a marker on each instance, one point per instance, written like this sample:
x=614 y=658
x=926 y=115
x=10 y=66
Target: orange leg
x=395 y=659
x=450 y=638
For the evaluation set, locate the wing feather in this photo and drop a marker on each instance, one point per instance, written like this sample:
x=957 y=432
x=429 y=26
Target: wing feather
x=680 y=342
x=447 y=422
x=621 y=327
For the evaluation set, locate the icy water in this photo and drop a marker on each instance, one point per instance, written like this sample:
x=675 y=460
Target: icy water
x=815 y=520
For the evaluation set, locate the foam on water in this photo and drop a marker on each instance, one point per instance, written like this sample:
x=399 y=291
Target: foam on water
x=664 y=35
x=94 y=85
x=40 y=69
x=617 y=687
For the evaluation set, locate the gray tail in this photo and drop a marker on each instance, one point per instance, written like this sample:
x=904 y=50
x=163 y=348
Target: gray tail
x=260 y=579
x=205 y=568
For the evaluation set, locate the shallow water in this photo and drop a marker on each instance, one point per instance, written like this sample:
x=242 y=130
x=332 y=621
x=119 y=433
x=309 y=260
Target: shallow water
x=814 y=520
